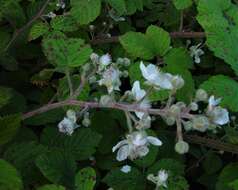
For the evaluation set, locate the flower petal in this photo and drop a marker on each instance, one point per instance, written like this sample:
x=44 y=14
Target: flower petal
x=155 y=141
x=119 y=144
x=123 y=153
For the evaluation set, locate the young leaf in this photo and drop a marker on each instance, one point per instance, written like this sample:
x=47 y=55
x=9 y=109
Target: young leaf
x=37 y=30
x=58 y=167
x=64 y=23
x=137 y=45
x=159 y=39
x=66 y=52
x=225 y=88
x=85 y=179
x=85 y=12
x=9 y=177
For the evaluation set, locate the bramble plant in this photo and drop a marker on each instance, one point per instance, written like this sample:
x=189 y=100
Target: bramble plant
x=97 y=94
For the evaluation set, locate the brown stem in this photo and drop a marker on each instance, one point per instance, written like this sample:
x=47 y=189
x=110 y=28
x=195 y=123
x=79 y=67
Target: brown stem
x=28 y=24
x=115 y=39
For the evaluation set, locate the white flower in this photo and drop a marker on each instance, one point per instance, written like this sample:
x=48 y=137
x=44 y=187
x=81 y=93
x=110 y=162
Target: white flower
x=105 y=60
x=160 y=179
x=196 y=52
x=126 y=169
x=139 y=94
x=159 y=79
x=181 y=147
x=111 y=79
x=219 y=116
x=135 y=145
x=67 y=126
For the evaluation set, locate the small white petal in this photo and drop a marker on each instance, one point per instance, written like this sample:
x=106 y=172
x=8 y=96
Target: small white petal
x=118 y=145
x=105 y=59
x=142 y=151
x=220 y=116
x=153 y=140
x=126 y=169
x=123 y=153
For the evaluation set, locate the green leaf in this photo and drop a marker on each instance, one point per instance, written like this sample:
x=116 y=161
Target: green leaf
x=5 y=96
x=234 y=184
x=219 y=20
x=108 y=127
x=64 y=23
x=178 y=57
x=155 y=42
x=159 y=39
x=9 y=177
x=182 y=4
x=85 y=179
x=4 y=38
x=82 y=144
x=9 y=126
x=214 y=160
x=225 y=88
x=137 y=45
x=118 y=5
x=228 y=175
x=173 y=166
x=51 y=187
x=63 y=89
x=58 y=167
x=119 y=180
x=66 y=52
x=37 y=30
x=22 y=156
x=85 y=12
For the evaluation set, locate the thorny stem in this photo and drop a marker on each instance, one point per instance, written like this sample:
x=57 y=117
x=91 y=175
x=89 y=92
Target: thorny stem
x=28 y=24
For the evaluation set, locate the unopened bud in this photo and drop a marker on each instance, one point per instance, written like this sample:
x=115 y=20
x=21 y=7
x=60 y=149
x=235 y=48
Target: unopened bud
x=200 y=123
x=170 y=120
x=71 y=114
x=86 y=122
x=174 y=110
x=91 y=27
x=201 y=95
x=194 y=106
x=125 y=74
x=181 y=147
x=188 y=125
x=94 y=57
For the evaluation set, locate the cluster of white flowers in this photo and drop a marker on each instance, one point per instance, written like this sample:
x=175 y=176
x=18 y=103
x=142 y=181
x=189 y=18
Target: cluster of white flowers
x=214 y=116
x=68 y=124
x=135 y=145
x=160 y=180
x=108 y=71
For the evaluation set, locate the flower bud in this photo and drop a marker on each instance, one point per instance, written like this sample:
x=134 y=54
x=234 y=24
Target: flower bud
x=106 y=100
x=200 y=123
x=92 y=79
x=94 y=57
x=174 y=110
x=71 y=114
x=120 y=61
x=125 y=74
x=201 y=95
x=194 y=106
x=181 y=147
x=170 y=120
x=127 y=61
x=105 y=59
x=86 y=122
x=188 y=125
x=91 y=27
x=181 y=105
